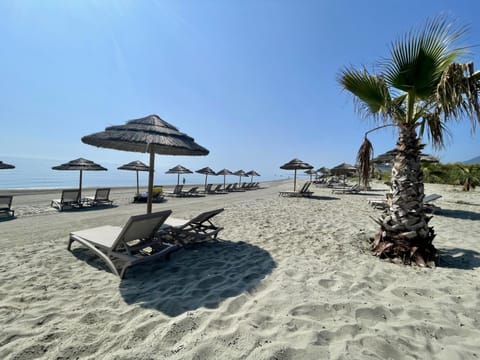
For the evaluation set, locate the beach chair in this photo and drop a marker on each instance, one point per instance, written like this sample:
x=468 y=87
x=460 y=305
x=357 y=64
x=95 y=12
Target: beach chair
x=70 y=198
x=135 y=243
x=6 y=205
x=177 y=191
x=218 y=190
x=157 y=196
x=186 y=232
x=354 y=189
x=303 y=192
x=191 y=192
x=236 y=188
x=100 y=198
x=208 y=189
x=228 y=188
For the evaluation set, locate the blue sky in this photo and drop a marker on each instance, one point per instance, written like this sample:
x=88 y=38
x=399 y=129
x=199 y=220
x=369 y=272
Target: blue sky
x=253 y=81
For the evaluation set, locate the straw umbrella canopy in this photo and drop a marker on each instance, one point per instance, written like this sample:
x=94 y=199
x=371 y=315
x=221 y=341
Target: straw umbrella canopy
x=310 y=172
x=240 y=173
x=388 y=157
x=296 y=164
x=206 y=171
x=4 y=166
x=252 y=173
x=224 y=172
x=150 y=135
x=324 y=170
x=135 y=166
x=343 y=169
x=179 y=169
x=82 y=165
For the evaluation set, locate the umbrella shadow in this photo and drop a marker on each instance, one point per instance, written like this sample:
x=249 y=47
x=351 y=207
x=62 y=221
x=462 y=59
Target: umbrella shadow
x=458 y=258
x=200 y=276
x=458 y=214
x=318 y=197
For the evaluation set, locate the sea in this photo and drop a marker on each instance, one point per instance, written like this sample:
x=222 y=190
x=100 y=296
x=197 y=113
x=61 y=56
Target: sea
x=32 y=173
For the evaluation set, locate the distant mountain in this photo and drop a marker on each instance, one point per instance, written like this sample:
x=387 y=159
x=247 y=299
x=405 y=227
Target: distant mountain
x=475 y=160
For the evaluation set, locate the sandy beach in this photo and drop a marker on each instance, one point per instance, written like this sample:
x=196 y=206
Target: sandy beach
x=290 y=278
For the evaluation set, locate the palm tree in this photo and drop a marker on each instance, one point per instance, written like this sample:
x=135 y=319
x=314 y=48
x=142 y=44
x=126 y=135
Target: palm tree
x=419 y=90
x=468 y=176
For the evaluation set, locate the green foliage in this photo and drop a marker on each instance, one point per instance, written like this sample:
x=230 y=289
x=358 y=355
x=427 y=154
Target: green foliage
x=453 y=174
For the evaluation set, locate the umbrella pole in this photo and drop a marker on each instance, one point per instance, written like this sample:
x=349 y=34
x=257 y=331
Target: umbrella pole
x=224 y=176
x=178 y=179
x=295 y=180
x=80 y=186
x=137 y=182
x=206 y=176
x=150 y=181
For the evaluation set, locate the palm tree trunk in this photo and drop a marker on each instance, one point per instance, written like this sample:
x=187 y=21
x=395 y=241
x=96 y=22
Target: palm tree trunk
x=405 y=233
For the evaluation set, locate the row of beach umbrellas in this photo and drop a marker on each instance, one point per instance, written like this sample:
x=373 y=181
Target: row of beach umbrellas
x=297 y=164
x=82 y=164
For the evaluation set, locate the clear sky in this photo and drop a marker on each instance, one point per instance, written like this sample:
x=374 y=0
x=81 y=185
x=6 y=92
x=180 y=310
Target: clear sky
x=253 y=81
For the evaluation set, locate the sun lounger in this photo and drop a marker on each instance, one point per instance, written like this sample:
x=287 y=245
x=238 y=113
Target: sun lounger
x=302 y=193
x=185 y=232
x=177 y=191
x=100 y=198
x=191 y=192
x=157 y=196
x=218 y=190
x=354 y=189
x=70 y=198
x=6 y=205
x=135 y=243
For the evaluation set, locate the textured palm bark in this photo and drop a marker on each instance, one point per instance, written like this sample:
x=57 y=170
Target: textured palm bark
x=405 y=233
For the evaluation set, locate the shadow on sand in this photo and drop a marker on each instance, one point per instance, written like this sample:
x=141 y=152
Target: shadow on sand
x=318 y=197
x=89 y=208
x=199 y=276
x=457 y=258
x=458 y=214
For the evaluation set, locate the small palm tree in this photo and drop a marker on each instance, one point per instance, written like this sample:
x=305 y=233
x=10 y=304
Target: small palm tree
x=468 y=177
x=419 y=90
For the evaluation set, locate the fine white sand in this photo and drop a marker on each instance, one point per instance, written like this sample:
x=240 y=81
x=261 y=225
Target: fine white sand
x=291 y=278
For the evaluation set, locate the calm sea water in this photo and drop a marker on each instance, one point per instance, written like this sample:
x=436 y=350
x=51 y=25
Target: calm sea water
x=38 y=174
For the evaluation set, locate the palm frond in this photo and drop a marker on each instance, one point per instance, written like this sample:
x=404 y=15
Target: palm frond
x=364 y=160
x=457 y=93
x=436 y=129
x=420 y=57
x=370 y=91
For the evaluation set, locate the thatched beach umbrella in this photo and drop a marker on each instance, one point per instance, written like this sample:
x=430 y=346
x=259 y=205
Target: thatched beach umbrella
x=82 y=165
x=206 y=171
x=387 y=158
x=310 y=172
x=224 y=172
x=296 y=164
x=179 y=169
x=4 y=166
x=324 y=170
x=136 y=166
x=252 y=173
x=343 y=169
x=240 y=173
x=150 y=135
